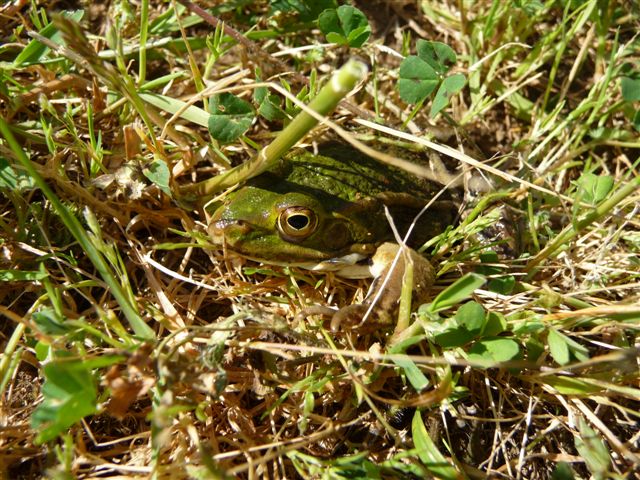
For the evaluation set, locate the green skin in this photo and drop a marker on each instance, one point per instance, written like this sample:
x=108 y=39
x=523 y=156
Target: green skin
x=315 y=208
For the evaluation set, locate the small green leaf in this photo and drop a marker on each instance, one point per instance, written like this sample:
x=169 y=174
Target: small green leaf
x=558 y=347
x=49 y=322
x=458 y=330
x=488 y=257
x=428 y=453
x=529 y=326
x=460 y=290
x=562 y=471
x=593 y=450
x=636 y=120
x=535 y=348
x=449 y=87
x=12 y=179
x=335 y=37
x=453 y=337
x=42 y=350
x=630 y=88
x=495 y=324
x=497 y=349
x=230 y=117
x=417 y=79
x=415 y=376
x=70 y=394
x=345 y=25
x=580 y=352
x=438 y=55
x=358 y=36
x=503 y=285
x=158 y=172
x=602 y=134
x=270 y=107
x=594 y=188
x=472 y=316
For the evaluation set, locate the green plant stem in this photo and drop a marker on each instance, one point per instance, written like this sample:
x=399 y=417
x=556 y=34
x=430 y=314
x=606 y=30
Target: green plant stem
x=342 y=82
x=144 y=29
x=404 y=310
x=75 y=227
x=7 y=358
x=399 y=336
x=570 y=231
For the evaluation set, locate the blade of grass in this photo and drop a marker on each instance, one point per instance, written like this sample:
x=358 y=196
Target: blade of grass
x=140 y=328
x=570 y=231
x=144 y=31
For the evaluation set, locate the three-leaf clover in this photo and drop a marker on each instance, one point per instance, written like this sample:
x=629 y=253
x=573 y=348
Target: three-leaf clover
x=69 y=394
x=421 y=74
x=345 y=25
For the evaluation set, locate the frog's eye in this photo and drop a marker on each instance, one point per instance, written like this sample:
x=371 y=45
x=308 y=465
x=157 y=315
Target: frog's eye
x=297 y=223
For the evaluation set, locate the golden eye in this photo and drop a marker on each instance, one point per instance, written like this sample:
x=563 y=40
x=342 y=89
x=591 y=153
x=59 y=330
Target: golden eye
x=297 y=223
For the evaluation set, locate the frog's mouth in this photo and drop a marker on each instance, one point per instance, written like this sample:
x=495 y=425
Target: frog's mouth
x=349 y=265
x=352 y=265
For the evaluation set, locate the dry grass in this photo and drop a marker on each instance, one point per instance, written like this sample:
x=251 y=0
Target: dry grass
x=232 y=383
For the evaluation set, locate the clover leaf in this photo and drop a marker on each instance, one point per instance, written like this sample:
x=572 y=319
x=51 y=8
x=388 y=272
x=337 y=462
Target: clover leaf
x=69 y=394
x=448 y=88
x=230 y=117
x=158 y=172
x=269 y=104
x=345 y=25
x=421 y=74
x=417 y=79
x=630 y=88
x=496 y=349
x=594 y=188
x=439 y=56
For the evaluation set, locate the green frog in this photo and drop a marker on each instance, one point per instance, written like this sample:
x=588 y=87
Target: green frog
x=326 y=212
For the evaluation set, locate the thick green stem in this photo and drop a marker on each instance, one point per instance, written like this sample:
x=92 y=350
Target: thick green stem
x=342 y=82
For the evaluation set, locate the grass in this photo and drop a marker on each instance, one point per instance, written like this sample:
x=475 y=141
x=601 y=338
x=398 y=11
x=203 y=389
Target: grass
x=133 y=347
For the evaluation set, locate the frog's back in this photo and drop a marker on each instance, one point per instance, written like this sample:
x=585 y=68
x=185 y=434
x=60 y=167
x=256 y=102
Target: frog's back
x=343 y=171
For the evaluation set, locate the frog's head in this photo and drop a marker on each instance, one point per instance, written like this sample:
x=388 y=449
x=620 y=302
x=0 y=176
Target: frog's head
x=293 y=228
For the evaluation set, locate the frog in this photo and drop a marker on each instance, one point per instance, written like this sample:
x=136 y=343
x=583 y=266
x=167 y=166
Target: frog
x=328 y=210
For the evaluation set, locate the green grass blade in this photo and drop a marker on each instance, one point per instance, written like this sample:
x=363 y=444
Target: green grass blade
x=140 y=328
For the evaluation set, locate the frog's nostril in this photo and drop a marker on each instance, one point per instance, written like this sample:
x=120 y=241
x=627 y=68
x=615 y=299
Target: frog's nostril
x=242 y=226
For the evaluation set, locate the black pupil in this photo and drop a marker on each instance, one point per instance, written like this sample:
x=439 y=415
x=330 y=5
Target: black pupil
x=298 y=221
